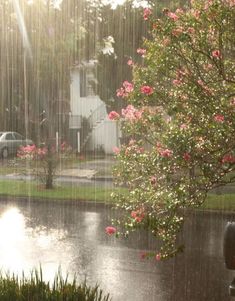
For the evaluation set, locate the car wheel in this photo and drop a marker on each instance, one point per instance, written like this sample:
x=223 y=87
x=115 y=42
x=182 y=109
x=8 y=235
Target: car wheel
x=5 y=153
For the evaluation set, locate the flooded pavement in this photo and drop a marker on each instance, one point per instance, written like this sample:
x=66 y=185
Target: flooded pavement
x=72 y=236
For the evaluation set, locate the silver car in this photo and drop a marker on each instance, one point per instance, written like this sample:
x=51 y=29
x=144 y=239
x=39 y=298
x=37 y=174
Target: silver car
x=10 y=143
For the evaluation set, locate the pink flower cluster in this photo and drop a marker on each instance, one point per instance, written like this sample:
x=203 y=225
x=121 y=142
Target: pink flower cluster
x=141 y=51
x=172 y=15
x=126 y=88
x=219 y=118
x=216 y=54
x=110 y=230
x=228 y=158
x=30 y=152
x=113 y=115
x=131 y=113
x=147 y=90
x=138 y=215
x=147 y=13
x=164 y=152
x=186 y=156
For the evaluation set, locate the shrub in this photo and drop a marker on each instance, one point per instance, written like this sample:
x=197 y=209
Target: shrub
x=35 y=288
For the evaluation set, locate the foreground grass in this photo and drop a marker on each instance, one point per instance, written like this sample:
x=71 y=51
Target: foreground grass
x=30 y=189
x=35 y=288
x=94 y=193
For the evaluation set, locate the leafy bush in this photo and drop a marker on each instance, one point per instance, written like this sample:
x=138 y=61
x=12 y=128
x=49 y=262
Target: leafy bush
x=35 y=288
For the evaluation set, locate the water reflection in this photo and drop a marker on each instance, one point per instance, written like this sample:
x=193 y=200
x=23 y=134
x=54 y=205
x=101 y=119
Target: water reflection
x=73 y=237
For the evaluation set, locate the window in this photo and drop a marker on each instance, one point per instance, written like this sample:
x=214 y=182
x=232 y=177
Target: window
x=86 y=88
x=18 y=136
x=9 y=136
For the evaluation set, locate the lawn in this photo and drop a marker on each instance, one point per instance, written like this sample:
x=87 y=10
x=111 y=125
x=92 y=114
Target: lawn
x=31 y=189
x=94 y=193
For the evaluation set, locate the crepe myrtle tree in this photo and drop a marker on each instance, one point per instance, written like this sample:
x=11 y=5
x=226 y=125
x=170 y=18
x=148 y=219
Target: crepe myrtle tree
x=180 y=120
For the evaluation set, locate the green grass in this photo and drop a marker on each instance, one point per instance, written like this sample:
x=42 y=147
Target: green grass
x=31 y=189
x=93 y=193
x=220 y=202
x=34 y=288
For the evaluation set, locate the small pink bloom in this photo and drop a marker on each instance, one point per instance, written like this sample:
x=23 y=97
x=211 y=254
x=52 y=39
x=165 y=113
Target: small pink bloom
x=153 y=180
x=177 y=31
x=131 y=113
x=228 y=158
x=130 y=62
x=121 y=93
x=147 y=90
x=114 y=115
x=208 y=67
x=138 y=215
x=166 y=42
x=116 y=150
x=147 y=12
x=219 y=118
x=158 y=257
x=216 y=54
x=141 y=51
x=129 y=87
x=176 y=82
x=191 y=30
x=165 y=153
x=186 y=156
x=110 y=230
x=172 y=16
x=183 y=126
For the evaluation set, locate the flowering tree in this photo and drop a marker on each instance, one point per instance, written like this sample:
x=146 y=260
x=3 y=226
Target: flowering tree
x=179 y=120
x=46 y=158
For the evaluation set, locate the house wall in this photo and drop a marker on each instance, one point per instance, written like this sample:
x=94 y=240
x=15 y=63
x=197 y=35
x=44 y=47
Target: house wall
x=105 y=133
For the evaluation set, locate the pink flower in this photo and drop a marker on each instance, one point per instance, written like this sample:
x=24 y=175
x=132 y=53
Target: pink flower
x=138 y=215
x=158 y=257
x=228 y=158
x=141 y=51
x=216 y=54
x=116 y=150
x=153 y=180
x=129 y=87
x=166 y=42
x=165 y=153
x=121 y=93
x=177 y=31
x=176 y=82
x=130 y=62
x=114 y=115
x=147 y=90
x=110 y=230
x=186 y=156
x=191 y=30
x=183 y=126
x=126 y=88
x=131 y=113
x=219 y=118
x=208 y=67
x=172 y=16
x=147 y=12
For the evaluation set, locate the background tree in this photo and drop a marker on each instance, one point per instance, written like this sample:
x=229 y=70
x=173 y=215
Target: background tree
x=180 y=119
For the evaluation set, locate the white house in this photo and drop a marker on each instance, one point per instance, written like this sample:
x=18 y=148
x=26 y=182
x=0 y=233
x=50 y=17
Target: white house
x=89 y=123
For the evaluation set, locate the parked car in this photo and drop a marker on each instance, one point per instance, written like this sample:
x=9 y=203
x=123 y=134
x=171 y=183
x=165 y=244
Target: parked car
x=10 y=143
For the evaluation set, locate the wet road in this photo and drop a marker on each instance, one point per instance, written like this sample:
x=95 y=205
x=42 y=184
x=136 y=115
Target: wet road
x=73 y=237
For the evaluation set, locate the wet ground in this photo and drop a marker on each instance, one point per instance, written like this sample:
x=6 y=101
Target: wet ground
x=73 y=237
